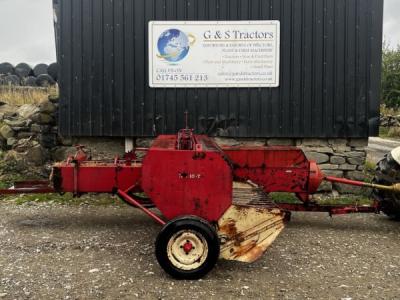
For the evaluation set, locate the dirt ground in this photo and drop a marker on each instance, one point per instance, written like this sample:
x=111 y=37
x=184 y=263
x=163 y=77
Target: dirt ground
x=51 y=251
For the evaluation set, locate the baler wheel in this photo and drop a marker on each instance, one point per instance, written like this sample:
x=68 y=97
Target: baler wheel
x=187 y=247
x=387 y=173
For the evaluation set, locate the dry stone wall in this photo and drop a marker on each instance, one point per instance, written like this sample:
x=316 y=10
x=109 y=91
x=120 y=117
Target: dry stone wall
x=28 y=133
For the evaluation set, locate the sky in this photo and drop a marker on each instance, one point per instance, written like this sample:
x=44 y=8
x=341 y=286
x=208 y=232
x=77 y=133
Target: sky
x=27 y=33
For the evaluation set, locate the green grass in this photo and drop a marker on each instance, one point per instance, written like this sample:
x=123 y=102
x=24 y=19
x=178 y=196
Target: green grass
x=284 y=198
x=347 y=200
x=67 y=199
x=108 y=200
x=343 y=200
x=384 y=132
x=369 y=167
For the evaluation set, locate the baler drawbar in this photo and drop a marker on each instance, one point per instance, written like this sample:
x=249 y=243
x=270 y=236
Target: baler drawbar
x=211 y=200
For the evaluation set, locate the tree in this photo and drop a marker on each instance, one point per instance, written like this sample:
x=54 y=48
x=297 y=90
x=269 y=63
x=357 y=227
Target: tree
x=391 y=76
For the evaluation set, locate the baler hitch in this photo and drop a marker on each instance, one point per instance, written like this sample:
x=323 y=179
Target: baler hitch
x=395 y=188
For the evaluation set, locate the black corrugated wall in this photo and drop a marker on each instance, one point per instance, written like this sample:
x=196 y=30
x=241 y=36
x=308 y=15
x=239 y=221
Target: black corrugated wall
x=329 y=70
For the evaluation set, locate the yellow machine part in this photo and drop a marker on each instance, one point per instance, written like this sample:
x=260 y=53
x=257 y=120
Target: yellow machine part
x=246 y=232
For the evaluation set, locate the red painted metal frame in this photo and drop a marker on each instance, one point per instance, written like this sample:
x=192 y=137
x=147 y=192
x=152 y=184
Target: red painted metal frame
x=189 y=174
x=25 y=187
x=276 y=169
x=331 y=209
x=196 y=180
x=131 y=199
x=345 y=181
x=96 y=176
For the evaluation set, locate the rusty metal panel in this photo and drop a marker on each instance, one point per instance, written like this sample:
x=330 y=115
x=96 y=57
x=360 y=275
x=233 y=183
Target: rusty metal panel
x=247 y=232
x=329 y=72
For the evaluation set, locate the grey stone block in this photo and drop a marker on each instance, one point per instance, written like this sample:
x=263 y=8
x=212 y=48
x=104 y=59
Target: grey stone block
x=48 y=140
x=27 y=110
x=355 y=175
x=315 y=142
x=326 y=150
x=356 y=160
x=62 y=153
x=355 y=154
x=225 y=141
x=281 y=142
x=334 y=173
x=319 y=158
x=341 y=149
x=144 y=142
x=6 y=131
x=253 y=142
x=11 y=141
x=66 y=141
x=337 y=142
x=348 y=189
x=298 y=142
x=36 y=155
x=47 y=107
x=25 y=135
x=338 y=160
x=16 y=123
x=328 y=167
x=19 y=129
x=347 y=167
x=42 y=118
x=325 y=186
x=40 y=128
x=358 y=142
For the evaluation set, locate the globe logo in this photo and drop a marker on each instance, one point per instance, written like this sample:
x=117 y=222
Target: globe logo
x=173 y=45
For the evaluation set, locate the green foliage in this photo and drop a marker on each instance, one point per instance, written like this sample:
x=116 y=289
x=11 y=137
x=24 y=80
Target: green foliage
x=369 y=168
x=391 y=76
x=67 y=199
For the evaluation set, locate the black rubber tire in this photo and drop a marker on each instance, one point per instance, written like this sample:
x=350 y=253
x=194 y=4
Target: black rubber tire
x=193 y=224
x=387 y=173
x=40 y=69
x=23 y=70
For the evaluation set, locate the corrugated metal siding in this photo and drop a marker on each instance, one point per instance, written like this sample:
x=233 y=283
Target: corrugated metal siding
x=330 y=70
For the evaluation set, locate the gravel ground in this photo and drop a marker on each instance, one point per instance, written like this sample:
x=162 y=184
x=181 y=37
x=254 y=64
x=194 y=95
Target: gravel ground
x=50 y=251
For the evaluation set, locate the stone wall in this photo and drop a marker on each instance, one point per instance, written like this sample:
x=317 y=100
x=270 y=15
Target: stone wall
x=28 y=135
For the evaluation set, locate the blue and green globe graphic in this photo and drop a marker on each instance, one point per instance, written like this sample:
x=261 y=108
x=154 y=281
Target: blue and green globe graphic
x=173 y=45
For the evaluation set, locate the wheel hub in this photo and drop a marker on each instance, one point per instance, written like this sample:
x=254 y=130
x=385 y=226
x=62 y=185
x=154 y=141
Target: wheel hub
x=187 y=250
x=187 y=247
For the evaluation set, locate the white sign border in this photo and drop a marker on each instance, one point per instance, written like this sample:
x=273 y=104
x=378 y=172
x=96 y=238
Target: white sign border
x=205 y=85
